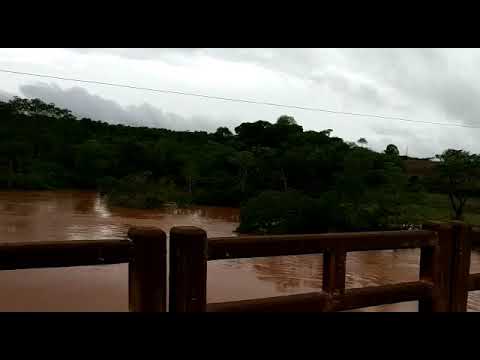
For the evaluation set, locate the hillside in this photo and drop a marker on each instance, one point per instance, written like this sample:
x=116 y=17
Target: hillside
x=419 y=167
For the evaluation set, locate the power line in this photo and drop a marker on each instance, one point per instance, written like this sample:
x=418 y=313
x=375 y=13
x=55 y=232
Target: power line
x=237 y=100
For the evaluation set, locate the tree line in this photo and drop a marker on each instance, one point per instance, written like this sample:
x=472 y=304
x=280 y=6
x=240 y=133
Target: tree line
x=284 y=178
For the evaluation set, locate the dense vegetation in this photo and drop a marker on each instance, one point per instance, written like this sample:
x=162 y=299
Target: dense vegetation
x=286 y=179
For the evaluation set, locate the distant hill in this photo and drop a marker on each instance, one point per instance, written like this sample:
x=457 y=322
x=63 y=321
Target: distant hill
x=419 y=167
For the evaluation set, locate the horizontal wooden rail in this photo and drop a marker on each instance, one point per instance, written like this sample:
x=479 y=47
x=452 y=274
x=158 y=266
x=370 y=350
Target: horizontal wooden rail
x=145 y=251
x=310 y=302
x=282 y=245
x=27 y=255
x=322 y=302
x=386 y=294
x=474 y=282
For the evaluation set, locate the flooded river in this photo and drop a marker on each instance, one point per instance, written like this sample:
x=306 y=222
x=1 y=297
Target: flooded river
x=78 y=215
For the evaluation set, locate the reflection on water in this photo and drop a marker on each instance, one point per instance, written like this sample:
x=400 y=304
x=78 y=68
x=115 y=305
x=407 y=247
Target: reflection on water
x=288 y=273
x=101 y=208
x=76 y=215
x=84 y=206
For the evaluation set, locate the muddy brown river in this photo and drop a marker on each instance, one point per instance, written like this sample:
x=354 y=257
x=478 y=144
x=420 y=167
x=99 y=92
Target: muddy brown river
x=80 y=215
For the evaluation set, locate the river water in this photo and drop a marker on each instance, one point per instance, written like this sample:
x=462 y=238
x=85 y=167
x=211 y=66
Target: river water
x=80 y=215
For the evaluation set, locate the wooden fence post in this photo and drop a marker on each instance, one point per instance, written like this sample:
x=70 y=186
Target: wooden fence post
x=188 y=269
x=447 y=266
x=435 y=267
x=462 y=248
x=334 y=272
x=334 y=268
x=147 y=270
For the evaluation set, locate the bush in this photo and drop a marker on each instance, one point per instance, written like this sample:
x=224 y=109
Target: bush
x=106 y=184
x=31 y=182
x=276 y=212
x=219 y=196
x=141 y=191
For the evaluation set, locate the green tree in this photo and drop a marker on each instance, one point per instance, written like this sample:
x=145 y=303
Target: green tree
x=191 y=173
x=286 y=120
x=362 y=141
x=92 y=161
x=254 y=134
x=223 y=133
x=458 y=170
x=245 y=161
x=392 y=150
x=326 y=132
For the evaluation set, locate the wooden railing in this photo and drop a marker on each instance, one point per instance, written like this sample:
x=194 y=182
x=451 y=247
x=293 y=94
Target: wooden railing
x=145 y=251
x=443 y=285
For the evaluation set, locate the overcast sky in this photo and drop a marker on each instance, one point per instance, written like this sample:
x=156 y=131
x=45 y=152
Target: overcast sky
x=440 y=85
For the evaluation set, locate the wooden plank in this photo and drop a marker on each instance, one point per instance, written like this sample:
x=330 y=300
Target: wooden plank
x=147 y=271
x=281 y=245
x=27 y=255
x=474 y=282
x=322 y=302
x=188 y=269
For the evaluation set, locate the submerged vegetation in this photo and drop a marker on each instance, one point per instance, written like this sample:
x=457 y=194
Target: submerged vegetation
x=284 y=179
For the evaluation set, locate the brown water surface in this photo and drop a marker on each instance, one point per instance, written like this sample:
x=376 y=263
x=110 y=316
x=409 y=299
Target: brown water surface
x=78 y=215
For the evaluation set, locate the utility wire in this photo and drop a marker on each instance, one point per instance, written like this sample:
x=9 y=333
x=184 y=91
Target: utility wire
x=237 y=100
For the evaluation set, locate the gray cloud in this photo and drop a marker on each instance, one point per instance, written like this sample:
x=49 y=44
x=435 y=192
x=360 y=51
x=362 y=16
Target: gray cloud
x=440 y=79
x=447 y=81
x=395 y=132
x=84 y=104
x=173 y=56
x=287 y=60
x=363 y=91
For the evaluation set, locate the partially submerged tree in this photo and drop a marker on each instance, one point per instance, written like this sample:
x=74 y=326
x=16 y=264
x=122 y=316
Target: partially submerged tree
x=458 y=170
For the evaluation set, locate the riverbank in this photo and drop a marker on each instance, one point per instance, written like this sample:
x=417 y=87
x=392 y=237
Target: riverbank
x=437 y=207
x=433 y=206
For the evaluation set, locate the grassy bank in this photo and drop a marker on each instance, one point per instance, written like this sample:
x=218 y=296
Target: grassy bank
x=437 y=207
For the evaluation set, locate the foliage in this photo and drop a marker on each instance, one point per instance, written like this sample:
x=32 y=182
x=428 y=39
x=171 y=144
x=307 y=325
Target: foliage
x=287 y=179
x=459 y=172
x=362 y=141
x=392 y=150
x=277 y=212
x=154 y=194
